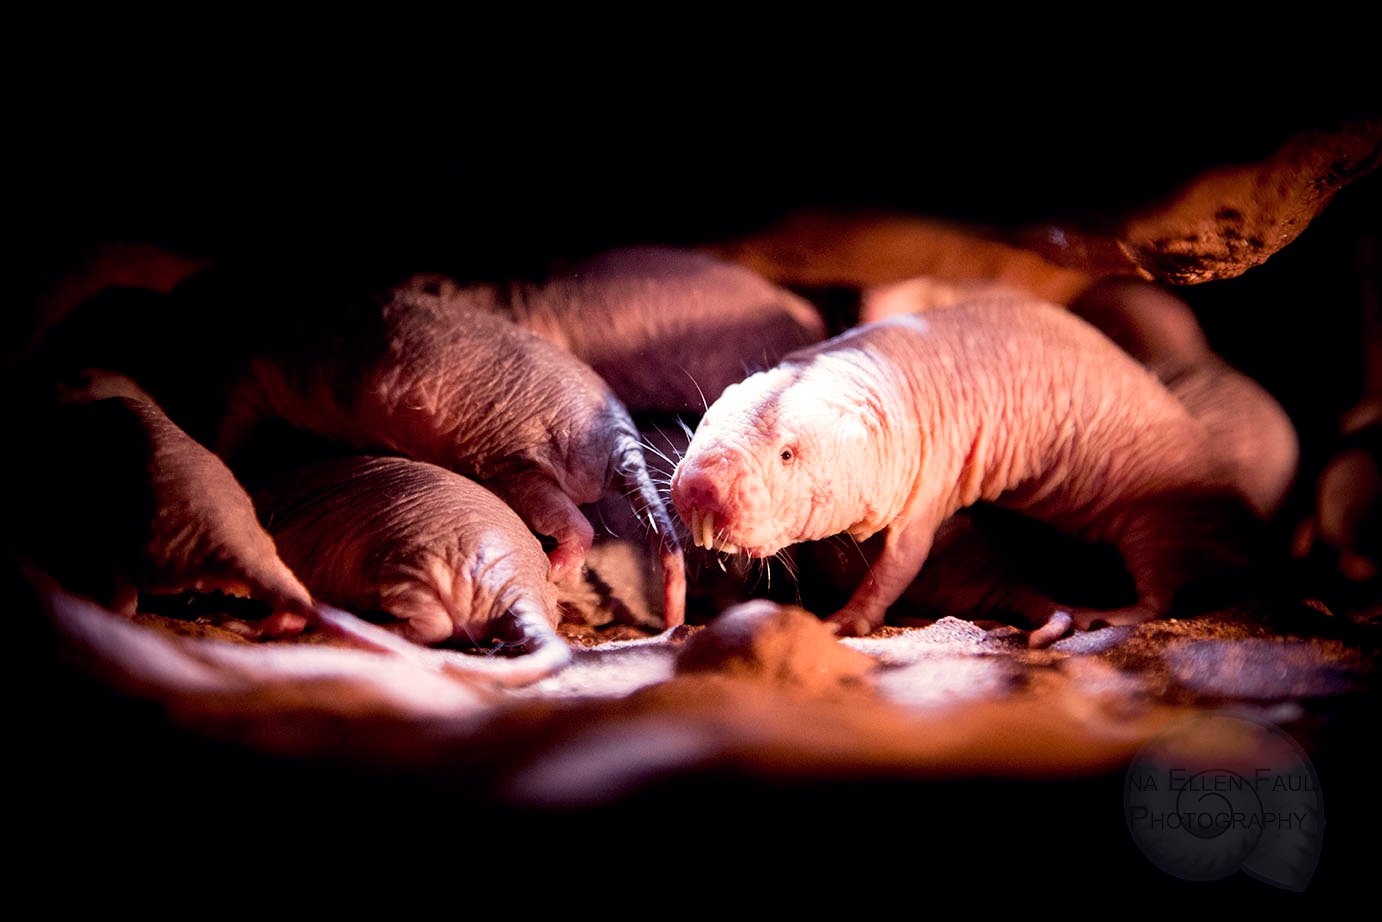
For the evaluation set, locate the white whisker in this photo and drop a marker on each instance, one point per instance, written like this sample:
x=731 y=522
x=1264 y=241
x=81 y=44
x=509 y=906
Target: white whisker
x=655 y=450
x=672 y=446
x=698 y=388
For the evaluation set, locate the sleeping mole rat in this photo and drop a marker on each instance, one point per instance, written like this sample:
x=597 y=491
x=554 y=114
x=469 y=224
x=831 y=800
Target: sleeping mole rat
x=666 y=329
x=894 y=426
x=408 y=372
x=425 y=545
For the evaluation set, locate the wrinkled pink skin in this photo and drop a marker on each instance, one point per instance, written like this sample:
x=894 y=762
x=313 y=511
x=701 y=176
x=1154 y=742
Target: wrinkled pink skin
x=1248 y=429
x=668 y=329
x=1250 y=434
x=470 y=392
x=896 y=425
x=435 y=550
x=172 y=518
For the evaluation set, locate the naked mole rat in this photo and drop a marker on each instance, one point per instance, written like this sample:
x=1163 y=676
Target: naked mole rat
x=895 y=425
x=668 y=329
x=1249 y=429
x=121 y=502
x=425 y=545
x=411 y=373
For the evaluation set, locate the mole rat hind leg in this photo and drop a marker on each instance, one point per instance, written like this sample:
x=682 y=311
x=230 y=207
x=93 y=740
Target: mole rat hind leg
x=1175 y=541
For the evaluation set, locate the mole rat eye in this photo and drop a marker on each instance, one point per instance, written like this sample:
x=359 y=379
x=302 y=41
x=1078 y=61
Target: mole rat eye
x=787 y=455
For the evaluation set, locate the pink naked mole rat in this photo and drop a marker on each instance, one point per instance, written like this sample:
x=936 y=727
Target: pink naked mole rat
x=120 y=501
x=427 y=546
x=667 y=329
x=408 y=372
x=894 y=426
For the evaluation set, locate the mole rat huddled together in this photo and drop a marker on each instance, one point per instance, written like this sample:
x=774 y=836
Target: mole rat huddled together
x=406 y=449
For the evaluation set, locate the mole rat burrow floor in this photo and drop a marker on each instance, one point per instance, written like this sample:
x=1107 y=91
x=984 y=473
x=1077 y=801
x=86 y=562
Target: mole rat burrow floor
x=782 y=739
x=947 y=700
x=782 y=699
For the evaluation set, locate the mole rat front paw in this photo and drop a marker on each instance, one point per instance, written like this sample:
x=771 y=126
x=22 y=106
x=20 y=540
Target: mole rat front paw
x=548 y=511
x=849 y=622
x=566 y=559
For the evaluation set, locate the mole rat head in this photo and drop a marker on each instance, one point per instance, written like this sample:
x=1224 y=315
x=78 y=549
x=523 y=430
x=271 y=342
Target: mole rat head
x=779 y=458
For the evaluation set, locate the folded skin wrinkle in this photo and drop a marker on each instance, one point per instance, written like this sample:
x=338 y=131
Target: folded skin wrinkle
x=894 y=426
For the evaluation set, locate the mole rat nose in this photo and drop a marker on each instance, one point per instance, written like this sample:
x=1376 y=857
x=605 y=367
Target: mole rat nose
x=701 y=492
x=696 y=488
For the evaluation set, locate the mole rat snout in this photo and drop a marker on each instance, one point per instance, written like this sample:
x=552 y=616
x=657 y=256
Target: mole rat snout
x=699 y=486
x=703 y=494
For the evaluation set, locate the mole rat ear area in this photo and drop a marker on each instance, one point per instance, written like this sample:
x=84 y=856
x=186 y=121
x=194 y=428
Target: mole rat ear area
x=843 y=457
x=825 y=429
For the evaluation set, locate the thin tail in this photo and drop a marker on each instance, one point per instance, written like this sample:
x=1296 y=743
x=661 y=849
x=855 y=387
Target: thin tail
x=547 y=654
x=527 y=626
x=181 y=671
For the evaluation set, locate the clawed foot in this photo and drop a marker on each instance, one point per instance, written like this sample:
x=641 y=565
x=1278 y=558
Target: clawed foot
x=567 y=558
x=1062 y=622
x=848 y=622
x=548 y=511
x=1057 y=626
x=287 y=601
x=274 y=627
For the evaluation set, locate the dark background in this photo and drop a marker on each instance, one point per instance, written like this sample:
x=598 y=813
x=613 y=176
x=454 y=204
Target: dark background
x=494 y=148
x=490 y=151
